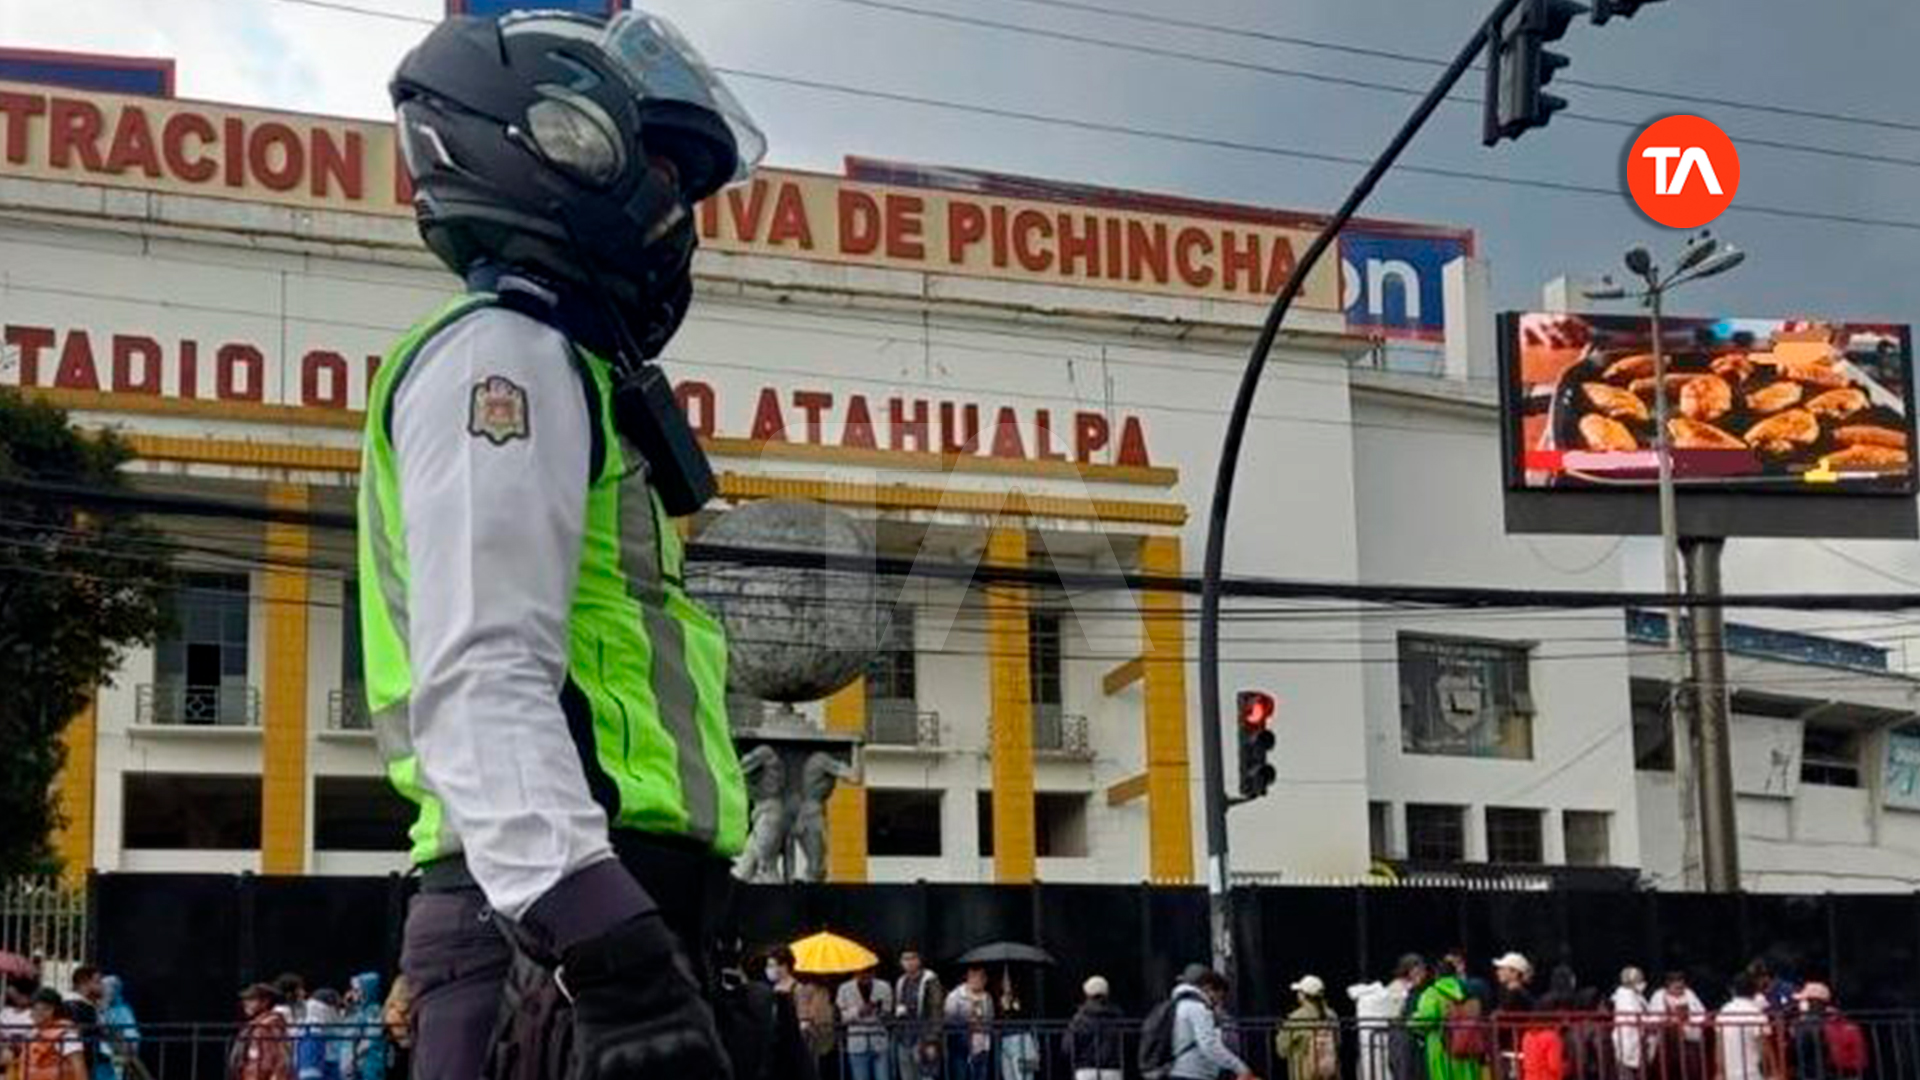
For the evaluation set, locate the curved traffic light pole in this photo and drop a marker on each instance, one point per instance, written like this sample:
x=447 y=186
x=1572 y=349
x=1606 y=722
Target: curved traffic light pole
x=1219 y=895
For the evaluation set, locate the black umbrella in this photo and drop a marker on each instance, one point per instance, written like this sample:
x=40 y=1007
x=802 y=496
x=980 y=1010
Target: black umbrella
x=1005 y=952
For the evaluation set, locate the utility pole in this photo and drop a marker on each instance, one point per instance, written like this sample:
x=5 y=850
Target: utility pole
x=1719 y=829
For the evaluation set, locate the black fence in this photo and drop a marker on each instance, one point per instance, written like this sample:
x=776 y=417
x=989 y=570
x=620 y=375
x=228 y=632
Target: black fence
x=184 y=944
x=1589 y=1046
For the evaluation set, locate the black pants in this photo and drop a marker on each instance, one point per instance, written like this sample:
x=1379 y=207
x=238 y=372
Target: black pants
x=457 y=959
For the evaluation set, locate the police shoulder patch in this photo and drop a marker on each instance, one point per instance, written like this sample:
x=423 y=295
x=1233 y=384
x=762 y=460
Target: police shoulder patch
x=497 y=411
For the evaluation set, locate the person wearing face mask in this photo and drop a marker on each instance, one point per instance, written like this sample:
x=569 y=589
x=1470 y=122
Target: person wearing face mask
x=779 y=970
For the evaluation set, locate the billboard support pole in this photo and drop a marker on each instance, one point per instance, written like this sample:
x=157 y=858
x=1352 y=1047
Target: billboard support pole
x=1212 y=757
x=1719 y=834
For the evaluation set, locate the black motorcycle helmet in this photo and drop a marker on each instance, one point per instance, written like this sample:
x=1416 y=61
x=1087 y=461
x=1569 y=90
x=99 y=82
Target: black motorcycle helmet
x=574 y=149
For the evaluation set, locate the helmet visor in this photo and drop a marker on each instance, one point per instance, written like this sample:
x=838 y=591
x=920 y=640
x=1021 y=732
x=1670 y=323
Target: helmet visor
x=662 y=65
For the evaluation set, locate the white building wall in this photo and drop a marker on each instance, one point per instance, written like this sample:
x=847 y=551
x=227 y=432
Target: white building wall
x=1429 y=510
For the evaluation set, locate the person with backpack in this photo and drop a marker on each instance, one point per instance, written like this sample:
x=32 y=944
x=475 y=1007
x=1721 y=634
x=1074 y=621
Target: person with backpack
x=1455 y=1029
x=1310 y=1037
x=1826 y=1044
x=1094 y=1041
x=1180 y=1039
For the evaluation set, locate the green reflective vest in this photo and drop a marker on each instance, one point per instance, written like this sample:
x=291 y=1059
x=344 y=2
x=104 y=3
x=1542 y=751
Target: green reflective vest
x=647 y=666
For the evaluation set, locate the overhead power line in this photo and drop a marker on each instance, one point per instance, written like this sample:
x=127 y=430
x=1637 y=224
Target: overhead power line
x=1646 y=92
x=1161 y=135
x=1055 y=577
x=1215 y=60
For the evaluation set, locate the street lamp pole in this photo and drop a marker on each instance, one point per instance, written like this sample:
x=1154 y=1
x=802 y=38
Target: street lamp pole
x=1697 y=691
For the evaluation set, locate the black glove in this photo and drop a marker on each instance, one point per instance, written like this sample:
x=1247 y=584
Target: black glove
x=637 y=1011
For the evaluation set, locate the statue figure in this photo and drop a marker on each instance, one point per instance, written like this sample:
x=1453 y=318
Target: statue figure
x=766 y=846
x=818 y=778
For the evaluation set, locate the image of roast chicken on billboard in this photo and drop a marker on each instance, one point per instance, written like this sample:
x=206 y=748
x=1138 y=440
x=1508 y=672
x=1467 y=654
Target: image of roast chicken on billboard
x=1754 y=405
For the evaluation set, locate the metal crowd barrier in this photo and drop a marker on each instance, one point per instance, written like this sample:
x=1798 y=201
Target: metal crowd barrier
x=1592 y=1046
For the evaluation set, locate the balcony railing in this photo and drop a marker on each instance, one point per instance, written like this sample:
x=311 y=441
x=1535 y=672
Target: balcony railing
x=1057 y=733
x=170 y=704
x=900 y=722
x=347 y=710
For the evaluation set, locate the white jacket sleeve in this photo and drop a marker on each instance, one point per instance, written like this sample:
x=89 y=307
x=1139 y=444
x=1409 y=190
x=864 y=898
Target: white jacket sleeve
x=492 y=441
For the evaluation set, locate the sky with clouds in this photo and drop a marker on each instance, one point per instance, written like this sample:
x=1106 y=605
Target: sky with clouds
x=1847 y=58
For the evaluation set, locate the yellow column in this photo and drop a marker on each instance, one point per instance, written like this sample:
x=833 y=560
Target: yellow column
x=283 y=783
x=1169 y=797
x=1012 y=696
x=73 y=841
x=847 y=809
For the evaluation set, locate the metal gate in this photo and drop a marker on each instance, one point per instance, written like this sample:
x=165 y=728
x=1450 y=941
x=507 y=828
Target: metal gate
x=45 y=919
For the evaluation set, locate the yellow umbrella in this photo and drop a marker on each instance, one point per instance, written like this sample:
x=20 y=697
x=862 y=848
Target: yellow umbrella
x=830 y=954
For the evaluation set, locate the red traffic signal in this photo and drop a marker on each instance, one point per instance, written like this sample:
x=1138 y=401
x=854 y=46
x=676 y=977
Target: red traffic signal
x=1256 y=708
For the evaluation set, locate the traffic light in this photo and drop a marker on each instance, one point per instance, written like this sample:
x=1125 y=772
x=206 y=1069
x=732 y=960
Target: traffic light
x=1256 y=709
x=1519 y=67
x=1607 y=9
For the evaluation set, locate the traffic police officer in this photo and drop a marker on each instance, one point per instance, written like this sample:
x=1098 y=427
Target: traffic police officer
x=542 y=686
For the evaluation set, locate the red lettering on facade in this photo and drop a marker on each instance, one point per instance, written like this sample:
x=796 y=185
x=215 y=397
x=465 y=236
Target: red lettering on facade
x=769 y=424
x=233 y=140
x=790 y=224
x=1280 y=268
x=966 y=226
x=746 y=205
x=1006 y=435
x=333 y=164
x=187 y=161
x=275 y=156
x=900 y=430
x=963 y=437
x=1043 y=437
x=240 y=373
x=1079 y=248
x=1190 y=240
x=28 y=341
x=76 y=370
x=189 y=369
x=133 y=144
x=1133 y=444
x=904 y=225
x=1026 y=225
x=1089 y=434
x=1000 y=232
x=1113 y=249
x=710 y=219
x=73 y=128
x=1240 y=260
x=859 y=223
x=858 y=432
x=129 y=379
x=696 y=400
x=812 y=403
x=19 y=111
x=319 y=363
x=1147 y=251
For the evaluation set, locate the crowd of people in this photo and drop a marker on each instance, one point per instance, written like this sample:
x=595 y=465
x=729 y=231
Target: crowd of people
x=87 y=1032
x=1430 y=1020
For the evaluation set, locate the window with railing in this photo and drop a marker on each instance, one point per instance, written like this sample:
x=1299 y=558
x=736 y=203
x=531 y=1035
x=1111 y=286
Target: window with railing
x=894 y=717
x=200 y=662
